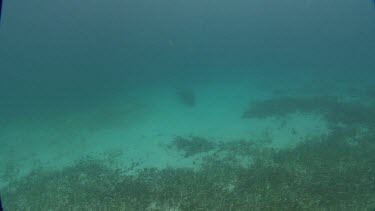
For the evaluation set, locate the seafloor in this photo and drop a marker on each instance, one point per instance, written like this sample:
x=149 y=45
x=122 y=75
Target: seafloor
x=217 y=145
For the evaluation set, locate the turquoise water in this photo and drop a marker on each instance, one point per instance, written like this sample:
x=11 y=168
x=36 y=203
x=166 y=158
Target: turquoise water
x=257 y=86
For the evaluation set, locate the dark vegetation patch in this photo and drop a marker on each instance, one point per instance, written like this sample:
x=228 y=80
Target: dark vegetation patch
x=9 y=170
x=332 y=172
x=334 y=110
x=192 y=145
x=186 y=96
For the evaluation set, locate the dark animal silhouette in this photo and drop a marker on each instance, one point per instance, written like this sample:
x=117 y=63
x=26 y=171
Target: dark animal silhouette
x=186 y=97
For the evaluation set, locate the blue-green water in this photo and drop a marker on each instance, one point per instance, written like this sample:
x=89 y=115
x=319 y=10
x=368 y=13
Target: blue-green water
x=213 y=91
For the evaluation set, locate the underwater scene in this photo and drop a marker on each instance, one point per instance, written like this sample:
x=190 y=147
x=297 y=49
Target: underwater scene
x=177 y=105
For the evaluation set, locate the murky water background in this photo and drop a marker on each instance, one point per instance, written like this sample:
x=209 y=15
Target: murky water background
x=171 y=85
